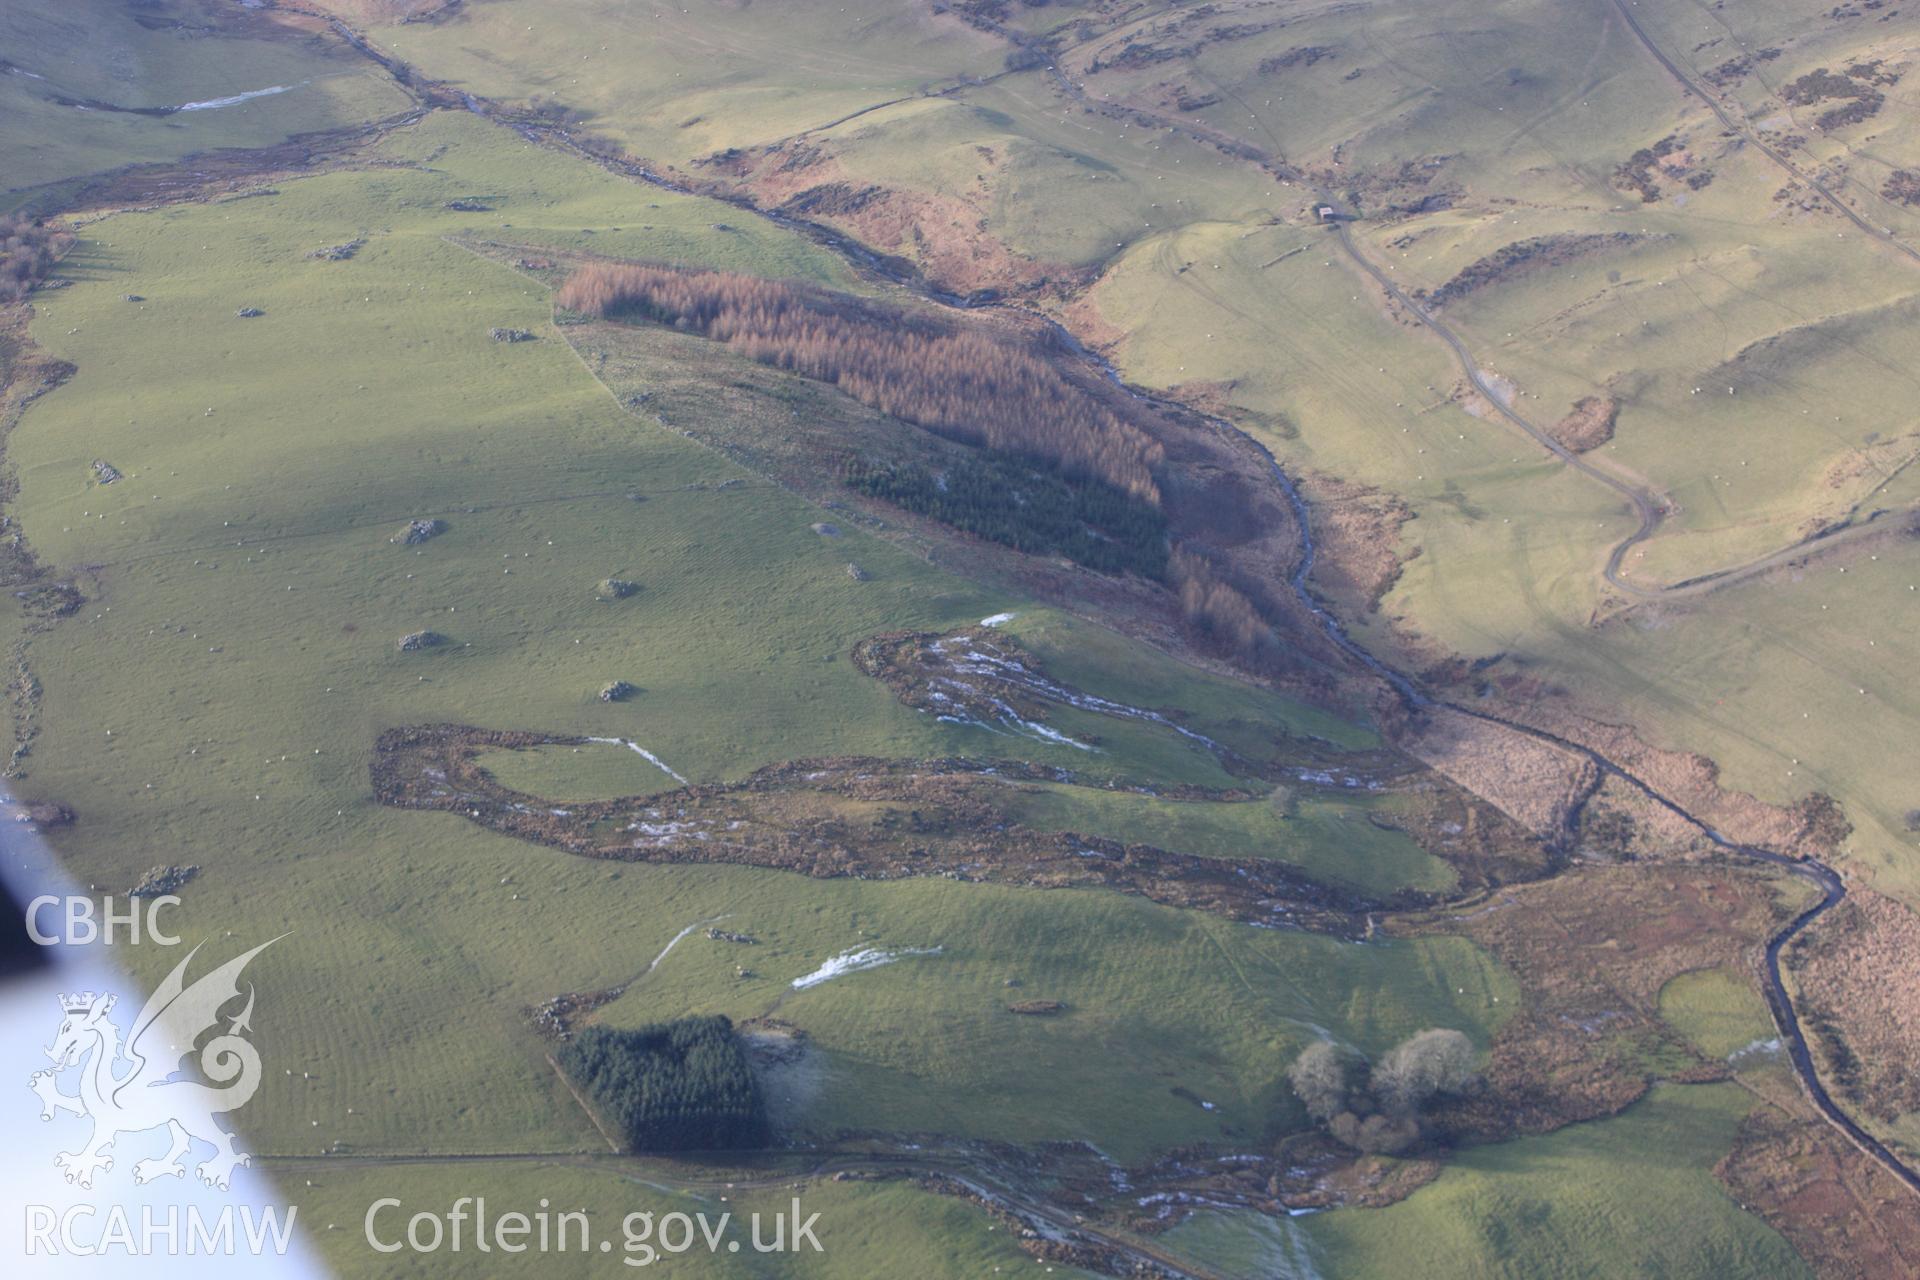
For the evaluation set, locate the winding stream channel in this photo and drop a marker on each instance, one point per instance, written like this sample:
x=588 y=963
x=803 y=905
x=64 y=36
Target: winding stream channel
x=1828 y=881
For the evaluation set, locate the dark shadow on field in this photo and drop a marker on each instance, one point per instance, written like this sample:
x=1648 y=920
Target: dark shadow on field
x=88 y=262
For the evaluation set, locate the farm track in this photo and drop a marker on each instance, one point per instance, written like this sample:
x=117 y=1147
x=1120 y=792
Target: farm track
x=1829 y=881
x=1713 y=104
x=1648 y=509
x=1831 y=884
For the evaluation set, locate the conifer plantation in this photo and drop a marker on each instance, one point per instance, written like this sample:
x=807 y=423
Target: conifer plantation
x=671 y=1086
x=957 y=382
x=1028 y=507
x=1059 y=473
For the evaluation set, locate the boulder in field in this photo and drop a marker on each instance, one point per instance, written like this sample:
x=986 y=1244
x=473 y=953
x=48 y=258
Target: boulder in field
x=162 y=881
x=337 y=252
x=47 y=813
x=418 y=531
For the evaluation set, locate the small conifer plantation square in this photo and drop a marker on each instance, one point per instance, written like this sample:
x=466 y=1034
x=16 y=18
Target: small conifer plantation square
x=684 y=1085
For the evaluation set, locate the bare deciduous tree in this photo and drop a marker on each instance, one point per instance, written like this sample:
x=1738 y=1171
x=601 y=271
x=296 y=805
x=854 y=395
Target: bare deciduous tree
x=1425 y=1064
x=1321 y=1076
x=954 y=380
x=1377 y=1109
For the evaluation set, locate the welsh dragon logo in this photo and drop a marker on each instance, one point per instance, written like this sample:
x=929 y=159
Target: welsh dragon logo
x=139 y=1085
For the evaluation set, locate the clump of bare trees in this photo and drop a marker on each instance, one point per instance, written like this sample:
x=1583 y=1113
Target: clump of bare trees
x=984 y=388
x=1377 y=1107
x=28 y=250
x=1222 y=614
x=957 y=381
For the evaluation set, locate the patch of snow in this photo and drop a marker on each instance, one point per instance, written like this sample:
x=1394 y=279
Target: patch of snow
x=998 y=619
x=662 y=830
x=651 y=758
x=1758 y=1049
x=676 y=939
x=213 y=103
x=1049 y=734
x=854 y=961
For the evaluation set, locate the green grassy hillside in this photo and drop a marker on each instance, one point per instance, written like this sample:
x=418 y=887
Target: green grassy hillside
x=1634 y=1194
x=76 y=77
x=247 y=558
x=277 y=382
